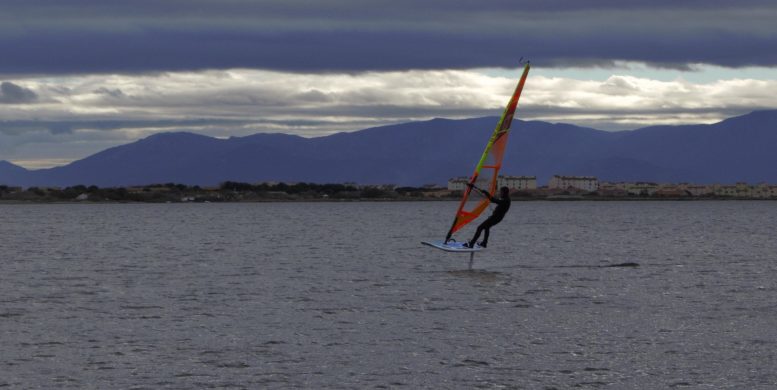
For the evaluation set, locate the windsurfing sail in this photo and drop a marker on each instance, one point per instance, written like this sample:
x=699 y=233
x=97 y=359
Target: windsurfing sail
x=487 y=169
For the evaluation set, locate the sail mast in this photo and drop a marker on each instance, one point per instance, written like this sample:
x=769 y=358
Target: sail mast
x=491 y=161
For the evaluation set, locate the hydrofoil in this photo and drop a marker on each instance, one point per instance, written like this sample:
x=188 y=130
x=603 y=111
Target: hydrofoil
x=453 y=246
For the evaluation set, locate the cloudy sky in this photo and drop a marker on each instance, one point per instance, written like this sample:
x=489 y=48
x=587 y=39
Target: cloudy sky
x=79 y=76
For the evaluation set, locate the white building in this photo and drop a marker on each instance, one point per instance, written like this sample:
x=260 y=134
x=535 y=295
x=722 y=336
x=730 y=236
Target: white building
x=697 y=189
x=641 y=188
x=511 y=182
x=760 y=191
x=740 y=190
x=458 y=183
x=520 y=183
x=725 y=190
x=585 y=183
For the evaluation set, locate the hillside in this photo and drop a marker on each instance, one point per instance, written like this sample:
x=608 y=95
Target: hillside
x=737 y=149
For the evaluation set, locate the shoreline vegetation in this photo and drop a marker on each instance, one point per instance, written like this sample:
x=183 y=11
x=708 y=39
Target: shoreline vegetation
x=300 y=192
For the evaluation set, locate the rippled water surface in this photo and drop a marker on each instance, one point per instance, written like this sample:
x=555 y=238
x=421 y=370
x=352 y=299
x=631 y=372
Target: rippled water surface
x=342 y=295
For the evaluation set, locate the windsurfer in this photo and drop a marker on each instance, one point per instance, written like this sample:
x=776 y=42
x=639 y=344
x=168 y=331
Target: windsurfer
x=502 y=205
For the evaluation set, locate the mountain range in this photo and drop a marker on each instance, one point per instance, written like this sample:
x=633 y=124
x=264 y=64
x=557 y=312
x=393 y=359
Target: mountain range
x=742 y=148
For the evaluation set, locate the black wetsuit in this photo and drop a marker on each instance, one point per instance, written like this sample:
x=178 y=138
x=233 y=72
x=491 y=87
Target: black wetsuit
x=502 y=205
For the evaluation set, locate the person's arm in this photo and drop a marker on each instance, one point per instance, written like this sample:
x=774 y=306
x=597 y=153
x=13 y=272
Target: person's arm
x=485 y=193
x=482 y=191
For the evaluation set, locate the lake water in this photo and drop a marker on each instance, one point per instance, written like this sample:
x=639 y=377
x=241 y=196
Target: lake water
x=342 y=295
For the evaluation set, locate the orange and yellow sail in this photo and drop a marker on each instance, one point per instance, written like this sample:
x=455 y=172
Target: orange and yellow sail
x=487 y=169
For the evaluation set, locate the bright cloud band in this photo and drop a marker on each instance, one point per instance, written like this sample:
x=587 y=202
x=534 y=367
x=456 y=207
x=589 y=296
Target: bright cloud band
x=69 y=117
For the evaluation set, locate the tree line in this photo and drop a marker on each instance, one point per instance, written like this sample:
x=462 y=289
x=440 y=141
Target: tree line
x=226 y=191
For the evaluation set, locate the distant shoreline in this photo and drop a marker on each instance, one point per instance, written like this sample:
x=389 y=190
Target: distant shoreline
x=377 y=200
x=235 y=192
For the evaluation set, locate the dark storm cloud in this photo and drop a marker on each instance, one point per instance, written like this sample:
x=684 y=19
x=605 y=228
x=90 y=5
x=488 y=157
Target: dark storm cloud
x=350 y=35
x=11 y=93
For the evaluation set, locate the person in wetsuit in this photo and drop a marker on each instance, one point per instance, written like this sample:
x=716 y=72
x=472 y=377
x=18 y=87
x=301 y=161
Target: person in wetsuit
x=502 y=205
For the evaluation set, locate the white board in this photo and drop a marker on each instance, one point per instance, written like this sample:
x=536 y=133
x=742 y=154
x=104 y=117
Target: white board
x=452 y=246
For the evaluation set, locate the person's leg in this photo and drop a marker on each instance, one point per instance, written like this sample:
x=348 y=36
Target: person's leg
x=483 y=226
x=477 y=234
x=491 y=223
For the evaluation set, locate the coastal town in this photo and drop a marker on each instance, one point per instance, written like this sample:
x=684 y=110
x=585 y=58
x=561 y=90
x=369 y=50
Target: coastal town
x=589 y=186
x=559 y=187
